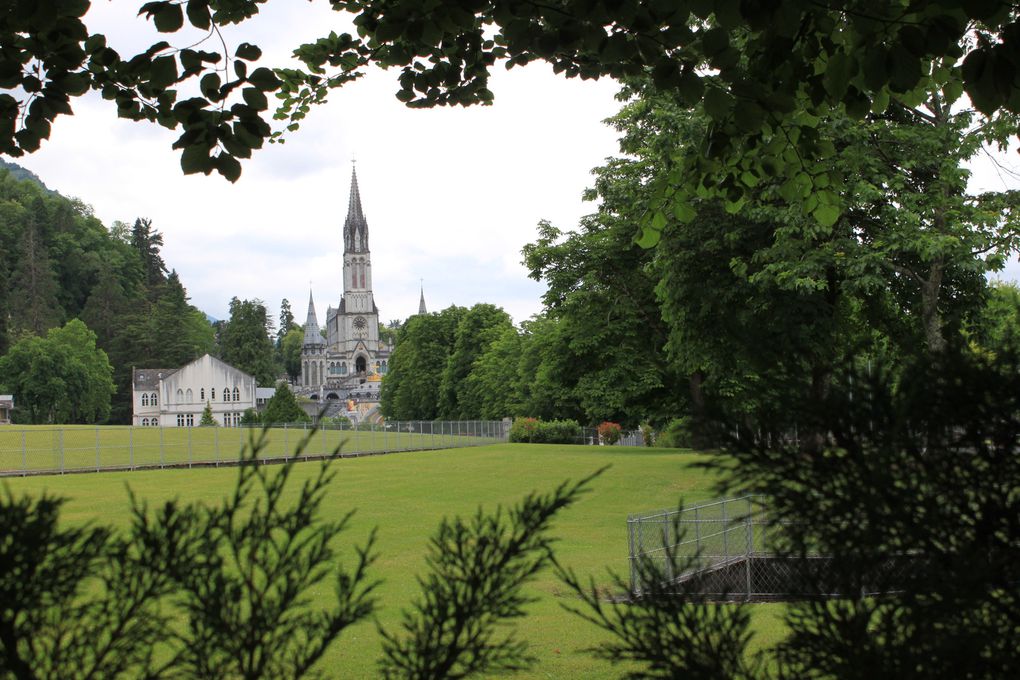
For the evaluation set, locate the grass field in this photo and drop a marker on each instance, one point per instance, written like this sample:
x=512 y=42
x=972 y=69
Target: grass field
x=71 y=448
x=406 y=495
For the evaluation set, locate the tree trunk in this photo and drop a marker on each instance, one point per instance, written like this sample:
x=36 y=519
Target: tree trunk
x=930 y=316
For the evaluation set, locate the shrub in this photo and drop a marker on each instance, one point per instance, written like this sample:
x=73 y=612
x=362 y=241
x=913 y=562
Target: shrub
x=535 y=431
x=609 y=433
x=676 y=435
x=251 y=417
x=647 y=434
x=523 y=429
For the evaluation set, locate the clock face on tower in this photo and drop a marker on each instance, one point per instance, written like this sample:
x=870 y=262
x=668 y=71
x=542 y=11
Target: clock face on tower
x=360 y=326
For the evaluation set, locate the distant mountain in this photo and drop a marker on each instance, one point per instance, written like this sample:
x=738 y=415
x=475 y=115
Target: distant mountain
x=210 y=318
x=21 y=173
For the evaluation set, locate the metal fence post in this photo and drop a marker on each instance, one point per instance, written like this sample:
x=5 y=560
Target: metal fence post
x=97 y=448
x=750 y=547
x=633 y=558
x=216 y=445
x=131 y=447
x=670 y=556
x=286 y=445
x=432 y=431
x=161 y=453
x=60 y=438
x=725 y=535
x=24 y=455
x=189 y=447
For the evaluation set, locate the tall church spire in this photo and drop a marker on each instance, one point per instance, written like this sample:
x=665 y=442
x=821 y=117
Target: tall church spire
x=421 y=302
x=312 y=335
x=355 y=226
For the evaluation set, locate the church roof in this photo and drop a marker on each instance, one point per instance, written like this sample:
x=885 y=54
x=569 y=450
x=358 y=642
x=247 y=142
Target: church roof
x=312 y=335
x=355 y=226
x=148 y=378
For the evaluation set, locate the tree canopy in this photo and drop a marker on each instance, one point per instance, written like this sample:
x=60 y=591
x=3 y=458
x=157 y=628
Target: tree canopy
x=60 y=378
x=764 y=73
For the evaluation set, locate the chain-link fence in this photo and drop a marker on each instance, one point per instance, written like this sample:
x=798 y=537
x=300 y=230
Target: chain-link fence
x=58 y=450
x=726 y=550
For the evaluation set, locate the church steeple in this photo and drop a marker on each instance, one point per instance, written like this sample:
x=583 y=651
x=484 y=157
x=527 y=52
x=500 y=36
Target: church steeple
x=355 y=226
x=312 y=336
x=421 y=302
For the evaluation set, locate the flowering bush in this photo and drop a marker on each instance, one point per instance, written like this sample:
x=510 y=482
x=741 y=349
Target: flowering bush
x=609 y=433
x=523 y=429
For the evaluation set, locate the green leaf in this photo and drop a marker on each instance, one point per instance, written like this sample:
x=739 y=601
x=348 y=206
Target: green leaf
x=254 y=98
x=198 y=14
x=658 y=221
x=264 y=79
x=826 y=215
x=248 y=52
x=690 y=88
x=195 y=158
x=163 y=72
x=169 y=18
x=228 y=166
x=684 y=212
x=837 y=75
x=717 y=103
x=648 y=238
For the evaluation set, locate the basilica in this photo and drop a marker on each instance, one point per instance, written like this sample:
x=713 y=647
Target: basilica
x=346 y=359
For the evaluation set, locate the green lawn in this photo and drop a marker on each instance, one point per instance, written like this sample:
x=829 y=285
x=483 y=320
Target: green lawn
x=406 y=494
x=69 y=448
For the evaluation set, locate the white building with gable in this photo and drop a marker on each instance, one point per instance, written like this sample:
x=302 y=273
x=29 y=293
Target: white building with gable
x=176 y=397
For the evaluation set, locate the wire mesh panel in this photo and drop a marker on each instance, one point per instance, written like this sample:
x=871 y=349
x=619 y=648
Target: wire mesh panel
x=695 y=542
x=726 y=550
x=58 y=450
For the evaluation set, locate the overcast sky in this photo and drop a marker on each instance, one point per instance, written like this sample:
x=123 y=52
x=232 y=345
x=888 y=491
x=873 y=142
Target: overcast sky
x=451 y=195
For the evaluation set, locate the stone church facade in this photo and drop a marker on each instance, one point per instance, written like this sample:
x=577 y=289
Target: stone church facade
x=350 y=360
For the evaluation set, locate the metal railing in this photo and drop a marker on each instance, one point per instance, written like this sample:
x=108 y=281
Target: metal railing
x=682 y=544
x=66 y=449
x=730 y=549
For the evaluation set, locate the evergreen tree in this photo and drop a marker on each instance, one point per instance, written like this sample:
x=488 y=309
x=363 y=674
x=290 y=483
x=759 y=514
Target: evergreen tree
x=207 y=417
x=245 y=343
x=283 y=408
x=147 y=242
x=286 y=320
x=34 y=305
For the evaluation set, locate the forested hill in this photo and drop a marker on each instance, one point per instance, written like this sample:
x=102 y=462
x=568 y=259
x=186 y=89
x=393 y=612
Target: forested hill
x=59 y=262
x=19 y=172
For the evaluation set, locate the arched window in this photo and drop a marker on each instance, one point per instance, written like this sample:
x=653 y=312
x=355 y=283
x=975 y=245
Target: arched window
x=384 y=367
x=343 y=368
x=145 y=422
x=212 y=393
x=362 y=276
x=154 y=422
x=153 y=401
x=226 y=394
x=145 y=399
x=180 y=395
x=201 y=394
x=190 y=395
x=237 y=395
